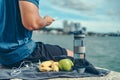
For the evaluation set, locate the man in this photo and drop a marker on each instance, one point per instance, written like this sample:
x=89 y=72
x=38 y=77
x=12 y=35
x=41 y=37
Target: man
x=18 y=18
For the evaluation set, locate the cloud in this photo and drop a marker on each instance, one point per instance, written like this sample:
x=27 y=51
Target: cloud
x=96 y=15
x=108 y=8
x=73 y=4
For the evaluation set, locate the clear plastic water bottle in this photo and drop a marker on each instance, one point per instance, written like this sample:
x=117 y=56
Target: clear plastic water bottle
x=79 y=49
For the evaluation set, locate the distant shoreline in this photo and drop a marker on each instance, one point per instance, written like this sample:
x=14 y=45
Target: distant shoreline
x=60 y=32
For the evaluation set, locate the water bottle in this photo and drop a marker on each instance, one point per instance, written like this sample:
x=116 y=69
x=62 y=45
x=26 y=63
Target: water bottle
x=79 y=50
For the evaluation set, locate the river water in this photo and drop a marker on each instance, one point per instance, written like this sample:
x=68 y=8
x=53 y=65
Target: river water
x=102 y=52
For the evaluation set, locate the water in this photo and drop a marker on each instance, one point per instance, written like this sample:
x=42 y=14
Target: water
x=101 y=51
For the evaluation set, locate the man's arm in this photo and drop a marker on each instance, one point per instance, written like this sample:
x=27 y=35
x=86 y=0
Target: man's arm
x=31 y=18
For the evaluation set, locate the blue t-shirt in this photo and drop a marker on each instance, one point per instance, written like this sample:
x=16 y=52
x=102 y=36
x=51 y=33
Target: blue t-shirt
x=15 y=40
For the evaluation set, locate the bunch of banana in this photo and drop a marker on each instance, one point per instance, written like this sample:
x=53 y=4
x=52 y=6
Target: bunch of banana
x=47 y=66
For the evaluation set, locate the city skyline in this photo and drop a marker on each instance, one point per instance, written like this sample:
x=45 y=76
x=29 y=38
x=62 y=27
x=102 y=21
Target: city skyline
x=100 y=16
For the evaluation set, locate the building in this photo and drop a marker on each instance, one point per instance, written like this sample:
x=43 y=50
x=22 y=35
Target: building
x=71 y=27
x=66 y=26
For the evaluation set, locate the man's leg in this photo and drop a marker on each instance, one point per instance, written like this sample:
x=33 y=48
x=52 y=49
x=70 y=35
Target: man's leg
x=69 y=53
x=46 y=52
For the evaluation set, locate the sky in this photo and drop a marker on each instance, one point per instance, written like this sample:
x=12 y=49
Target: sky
x=95 y=15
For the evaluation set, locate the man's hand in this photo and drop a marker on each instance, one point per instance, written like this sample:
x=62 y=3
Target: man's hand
x=48 y=20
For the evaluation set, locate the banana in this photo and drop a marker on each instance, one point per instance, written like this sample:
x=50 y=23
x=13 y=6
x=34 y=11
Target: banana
x=55 y=63
x=47 y=66
x=45 y=69
x=55 y=67
x=47 y=63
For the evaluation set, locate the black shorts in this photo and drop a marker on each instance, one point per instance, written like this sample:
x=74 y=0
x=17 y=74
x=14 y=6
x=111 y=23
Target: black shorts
x=43 y=52
x=46 y=52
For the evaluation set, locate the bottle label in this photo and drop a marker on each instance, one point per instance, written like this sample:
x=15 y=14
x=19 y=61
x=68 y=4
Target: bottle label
x=79 y=49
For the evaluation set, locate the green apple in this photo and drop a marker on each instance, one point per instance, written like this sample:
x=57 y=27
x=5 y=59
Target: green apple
x=65 y=64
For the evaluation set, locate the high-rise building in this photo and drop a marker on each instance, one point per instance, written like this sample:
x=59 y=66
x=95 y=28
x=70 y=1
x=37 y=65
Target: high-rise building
x=72 y=27
x=77 y=26
x=66 y=26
